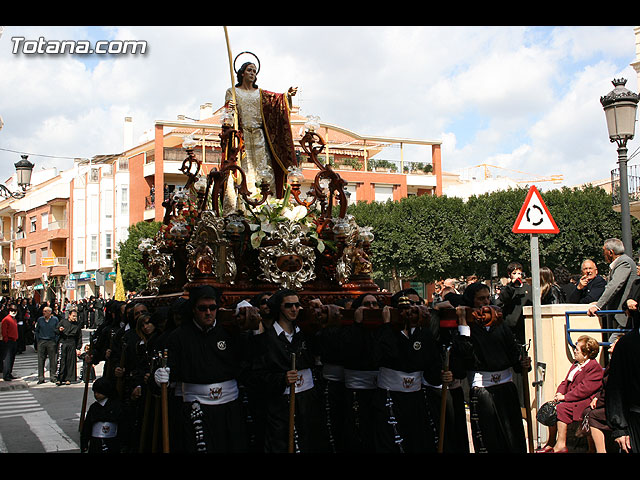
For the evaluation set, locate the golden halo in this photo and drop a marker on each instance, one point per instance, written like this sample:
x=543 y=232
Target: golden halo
x=250 y=53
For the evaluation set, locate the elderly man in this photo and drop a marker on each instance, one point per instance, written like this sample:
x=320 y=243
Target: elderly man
x=590 y=287
x=622 y=274
x=46 y=337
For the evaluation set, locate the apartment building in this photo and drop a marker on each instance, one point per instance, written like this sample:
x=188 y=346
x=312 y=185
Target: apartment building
x=34 y=241
x=100 y=202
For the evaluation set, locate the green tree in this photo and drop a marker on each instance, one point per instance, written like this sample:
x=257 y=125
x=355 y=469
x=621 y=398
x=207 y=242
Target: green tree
x=419 y=237
x=425 y=238
x=134 y=275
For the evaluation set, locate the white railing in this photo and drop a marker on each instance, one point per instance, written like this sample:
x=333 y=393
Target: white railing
x=57 y=225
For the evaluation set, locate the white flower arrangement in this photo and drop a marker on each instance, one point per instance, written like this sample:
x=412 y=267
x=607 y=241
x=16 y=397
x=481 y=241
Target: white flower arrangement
x=275 y=210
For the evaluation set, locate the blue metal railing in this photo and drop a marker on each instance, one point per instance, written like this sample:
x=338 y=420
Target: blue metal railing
x=568 y=328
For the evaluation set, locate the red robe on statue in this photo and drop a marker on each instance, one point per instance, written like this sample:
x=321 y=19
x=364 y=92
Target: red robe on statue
x=277 y=129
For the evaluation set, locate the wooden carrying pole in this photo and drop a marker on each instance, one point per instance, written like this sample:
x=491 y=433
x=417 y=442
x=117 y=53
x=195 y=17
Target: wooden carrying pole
x=87 y=376
x=292 y=407
x=165 y=410
x=233 y=83
x=443 y=403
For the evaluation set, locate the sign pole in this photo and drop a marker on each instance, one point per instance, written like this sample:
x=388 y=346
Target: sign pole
x=534 y=218
x=537 y=321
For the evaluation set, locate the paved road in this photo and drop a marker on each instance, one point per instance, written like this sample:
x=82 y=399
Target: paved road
x=39 y=418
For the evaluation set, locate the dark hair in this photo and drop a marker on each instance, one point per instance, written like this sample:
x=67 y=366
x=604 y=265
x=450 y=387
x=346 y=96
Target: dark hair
x=276 y=299
x=240 y=73
x=469 y=295
x=562 y=275
x=257 y=298
x=205 y=291
x=104 y=386
x=357 y=303
x=403 y=293
x=513 y=266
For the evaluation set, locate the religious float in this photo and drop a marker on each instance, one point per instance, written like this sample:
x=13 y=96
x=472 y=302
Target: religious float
x=300 y=241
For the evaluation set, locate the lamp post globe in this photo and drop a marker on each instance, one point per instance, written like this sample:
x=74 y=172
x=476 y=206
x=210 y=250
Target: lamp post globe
x=620 y=108
x=24 y=168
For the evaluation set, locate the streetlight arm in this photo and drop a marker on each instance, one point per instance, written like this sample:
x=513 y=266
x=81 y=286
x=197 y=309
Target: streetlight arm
x=6 y=193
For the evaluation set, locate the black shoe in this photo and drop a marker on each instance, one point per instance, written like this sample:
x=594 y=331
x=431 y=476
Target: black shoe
x=11 y=377
x=40 y=381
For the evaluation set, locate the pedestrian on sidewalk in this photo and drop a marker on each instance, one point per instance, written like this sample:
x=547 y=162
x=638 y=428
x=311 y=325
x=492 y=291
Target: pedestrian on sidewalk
x=46 y=338
x=9 y=331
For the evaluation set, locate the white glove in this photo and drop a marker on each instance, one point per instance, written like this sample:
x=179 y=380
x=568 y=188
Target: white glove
x=161 y=375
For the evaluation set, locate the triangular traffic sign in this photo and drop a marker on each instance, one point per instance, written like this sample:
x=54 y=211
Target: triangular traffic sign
x=534 y=216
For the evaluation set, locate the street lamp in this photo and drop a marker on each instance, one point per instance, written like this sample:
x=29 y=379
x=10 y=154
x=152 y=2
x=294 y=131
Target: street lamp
x=620 y=107
x=24 y=168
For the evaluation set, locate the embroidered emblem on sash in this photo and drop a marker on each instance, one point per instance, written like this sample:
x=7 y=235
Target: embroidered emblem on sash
x=495 y=377
x=417 y=345
x=106 y=429
x=299 y=380
x=407 y=382
x=215 y=393
x=222 y=345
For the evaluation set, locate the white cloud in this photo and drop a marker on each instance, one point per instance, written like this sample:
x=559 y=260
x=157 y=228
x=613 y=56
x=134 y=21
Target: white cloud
x=524 y=98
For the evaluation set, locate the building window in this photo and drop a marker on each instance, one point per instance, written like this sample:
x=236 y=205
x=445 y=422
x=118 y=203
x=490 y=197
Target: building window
x=108 y=203
x=79 y=253
x=44 y=221
x=383 y=193
x=107 y=246
x=93 y=210
x=81 y=291
x=32 y=222
x=94 y=248
x=32 y=257
x=124 y=200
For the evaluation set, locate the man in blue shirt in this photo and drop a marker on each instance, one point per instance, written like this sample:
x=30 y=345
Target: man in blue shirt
x=46 y=339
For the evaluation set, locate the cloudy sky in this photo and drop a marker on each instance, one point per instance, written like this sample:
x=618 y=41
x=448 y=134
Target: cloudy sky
x=523 y=98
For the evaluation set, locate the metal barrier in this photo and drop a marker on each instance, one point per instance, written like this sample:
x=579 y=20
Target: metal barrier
x=568 y=328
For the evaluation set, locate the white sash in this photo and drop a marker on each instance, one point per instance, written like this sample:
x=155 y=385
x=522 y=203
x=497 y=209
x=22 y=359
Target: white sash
x=361 y=379
x=398 y=381
x=104 y=430
x=488 y=379
x=210 y=394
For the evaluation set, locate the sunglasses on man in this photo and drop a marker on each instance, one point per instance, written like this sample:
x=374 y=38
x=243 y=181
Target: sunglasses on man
x=205 y=308
x=291 y=304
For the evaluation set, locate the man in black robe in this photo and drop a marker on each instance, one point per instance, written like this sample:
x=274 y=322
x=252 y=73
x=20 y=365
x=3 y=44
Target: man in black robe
x=70 y=345
x=493 y=357
x=273 y=372
x=208 y=361
x=622 y=390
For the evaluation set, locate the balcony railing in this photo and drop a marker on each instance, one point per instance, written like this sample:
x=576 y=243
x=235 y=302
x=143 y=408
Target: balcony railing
x=633 y=180
x=57 y=225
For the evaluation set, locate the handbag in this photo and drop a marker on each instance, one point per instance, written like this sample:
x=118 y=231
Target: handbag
x=547 y=414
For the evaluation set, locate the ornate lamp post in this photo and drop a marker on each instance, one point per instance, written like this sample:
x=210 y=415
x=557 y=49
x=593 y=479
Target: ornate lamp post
x=24 y=168
x=620 y=106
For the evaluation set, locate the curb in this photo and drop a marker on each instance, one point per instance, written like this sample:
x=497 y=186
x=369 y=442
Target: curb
x=17 y=384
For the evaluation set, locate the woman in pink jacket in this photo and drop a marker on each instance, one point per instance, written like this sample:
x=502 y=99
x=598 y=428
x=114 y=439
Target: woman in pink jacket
x=575 y=393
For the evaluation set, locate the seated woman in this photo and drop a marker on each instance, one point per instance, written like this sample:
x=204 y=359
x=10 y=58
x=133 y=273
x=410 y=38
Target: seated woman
x=575 y=392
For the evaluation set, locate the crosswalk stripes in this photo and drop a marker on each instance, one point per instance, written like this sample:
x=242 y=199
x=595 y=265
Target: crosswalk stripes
x=17 y=403
x=21 y=403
